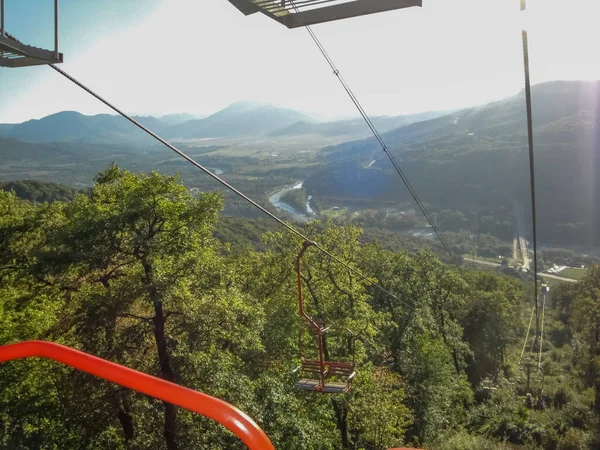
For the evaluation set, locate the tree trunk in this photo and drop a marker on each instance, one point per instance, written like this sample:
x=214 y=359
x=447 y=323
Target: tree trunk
x=120 y=398
x=445 y=339
x=596 y=357
x=597 y=396
x=164 y=360
x=341 y=415
x=166 y=373
x=126 y=418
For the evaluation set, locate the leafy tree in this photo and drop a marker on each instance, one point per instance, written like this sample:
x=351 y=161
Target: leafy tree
x=140 y=271
x=586 y=322
x=491 y=323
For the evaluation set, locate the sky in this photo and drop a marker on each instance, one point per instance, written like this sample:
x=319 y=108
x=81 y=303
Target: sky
x=156 y=57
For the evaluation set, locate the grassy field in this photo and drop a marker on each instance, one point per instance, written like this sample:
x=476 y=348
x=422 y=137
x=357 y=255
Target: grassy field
x=268 y=148
x=334 y=213
x=485 y=258
x=574 y=273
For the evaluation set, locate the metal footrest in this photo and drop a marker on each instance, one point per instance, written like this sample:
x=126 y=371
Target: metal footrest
x=331 y=387
x=335 y=387
x=306 y=384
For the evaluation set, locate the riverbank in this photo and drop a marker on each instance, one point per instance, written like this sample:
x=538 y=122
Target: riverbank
x=275 y=200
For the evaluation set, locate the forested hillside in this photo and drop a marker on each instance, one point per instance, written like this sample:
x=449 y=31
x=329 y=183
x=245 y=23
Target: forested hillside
x=476 y=159
x=131 y=271
x=39 y=191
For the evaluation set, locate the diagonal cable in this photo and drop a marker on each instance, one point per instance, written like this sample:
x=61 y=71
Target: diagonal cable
x=382 y=143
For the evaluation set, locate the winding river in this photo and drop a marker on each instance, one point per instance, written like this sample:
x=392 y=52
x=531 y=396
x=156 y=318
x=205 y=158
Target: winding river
x=275 y=200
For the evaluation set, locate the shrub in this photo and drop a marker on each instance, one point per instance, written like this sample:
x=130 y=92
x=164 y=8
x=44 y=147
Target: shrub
x=574 y=439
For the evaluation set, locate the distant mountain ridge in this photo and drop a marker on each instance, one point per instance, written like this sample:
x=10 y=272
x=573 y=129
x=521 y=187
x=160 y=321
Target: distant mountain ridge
x=353 y=126
x=71 y=126
x=552 y=101
x=239 y=119
x=236 y=120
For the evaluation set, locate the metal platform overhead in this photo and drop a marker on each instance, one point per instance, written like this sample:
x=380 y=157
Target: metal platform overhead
x=300 y=13
x=14 y=53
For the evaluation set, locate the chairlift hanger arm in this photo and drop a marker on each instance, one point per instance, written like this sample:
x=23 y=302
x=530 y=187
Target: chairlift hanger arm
x=303 y=314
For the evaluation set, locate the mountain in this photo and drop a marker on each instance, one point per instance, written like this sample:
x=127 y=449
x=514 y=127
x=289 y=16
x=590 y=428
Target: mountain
x=238 y=119
x=71 y=126
x=352 y=127
x=67 y=125
x=5 y=128
x=174 y=119
x=340 y=128
x=477 y=159
x=505 y=119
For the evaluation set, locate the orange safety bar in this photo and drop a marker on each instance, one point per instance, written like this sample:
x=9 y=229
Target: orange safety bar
x=224 y=413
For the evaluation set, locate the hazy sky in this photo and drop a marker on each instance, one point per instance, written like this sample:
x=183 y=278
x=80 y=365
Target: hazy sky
x=165 y=56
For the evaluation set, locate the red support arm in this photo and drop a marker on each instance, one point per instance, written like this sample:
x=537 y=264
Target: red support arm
x=305 y=316
x=229 y=416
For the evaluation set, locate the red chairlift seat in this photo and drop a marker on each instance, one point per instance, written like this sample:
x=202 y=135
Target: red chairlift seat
x=342 y=374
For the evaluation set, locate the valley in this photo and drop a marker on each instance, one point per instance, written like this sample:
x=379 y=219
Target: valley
x=469 y=167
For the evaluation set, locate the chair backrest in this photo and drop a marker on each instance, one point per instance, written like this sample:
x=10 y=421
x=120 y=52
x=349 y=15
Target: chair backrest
x=311 y=366
x=339 y=369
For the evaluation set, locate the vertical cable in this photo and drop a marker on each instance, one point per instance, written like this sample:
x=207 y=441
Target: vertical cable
x=542 y=332
x=56 y=29
x=2 y=23
x=527 y=335
x=525 y=39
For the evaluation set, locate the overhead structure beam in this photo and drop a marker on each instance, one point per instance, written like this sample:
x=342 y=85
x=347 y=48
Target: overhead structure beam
x=245 y=6
x=300 y=13
x=14 y=53
x=17 y=54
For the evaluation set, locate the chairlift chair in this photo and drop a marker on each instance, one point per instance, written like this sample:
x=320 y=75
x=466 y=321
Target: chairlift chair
x=299 y=13
x=14 y=53
x=327 y=377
